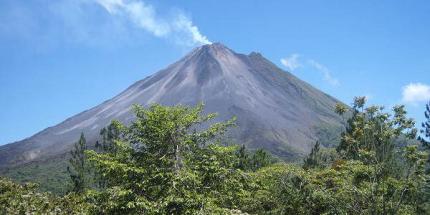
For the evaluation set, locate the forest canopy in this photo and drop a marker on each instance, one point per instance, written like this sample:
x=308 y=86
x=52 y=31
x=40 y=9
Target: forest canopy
x=174 y=160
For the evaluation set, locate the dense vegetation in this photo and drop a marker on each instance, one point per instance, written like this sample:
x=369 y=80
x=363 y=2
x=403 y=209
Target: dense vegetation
x=172 y=160
x=49 y=174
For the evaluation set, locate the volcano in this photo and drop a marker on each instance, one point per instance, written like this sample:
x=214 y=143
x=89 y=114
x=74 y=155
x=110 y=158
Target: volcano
x=275 y=110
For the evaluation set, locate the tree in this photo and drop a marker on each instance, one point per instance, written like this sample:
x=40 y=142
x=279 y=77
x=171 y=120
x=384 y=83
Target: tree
x=370 y=130
x=312 y=160
x=260 y=159
x=373 y=138
x=108 y=135
x=78 y=165
x=169 y=160
x=244 y=162
x=173 y=160
x=425 y=133
x=425 y=141
x=252 y=161
x=425 y=130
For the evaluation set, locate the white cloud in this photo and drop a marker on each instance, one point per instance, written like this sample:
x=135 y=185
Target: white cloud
x=291 y=62
x=180 y=28
x=327 y=76
x=416 y=92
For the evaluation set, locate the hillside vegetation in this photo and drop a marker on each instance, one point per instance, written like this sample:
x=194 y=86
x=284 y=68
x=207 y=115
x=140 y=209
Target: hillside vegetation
x=172 y=160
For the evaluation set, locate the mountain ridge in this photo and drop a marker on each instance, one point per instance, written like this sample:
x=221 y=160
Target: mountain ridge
x=276 y=110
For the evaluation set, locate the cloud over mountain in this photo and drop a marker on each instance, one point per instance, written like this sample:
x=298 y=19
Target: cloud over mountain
x=296 y=61
x=327 y=76
x=291 y=62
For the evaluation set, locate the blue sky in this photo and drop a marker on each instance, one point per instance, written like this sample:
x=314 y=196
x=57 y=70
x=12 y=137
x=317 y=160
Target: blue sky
x=58 y=58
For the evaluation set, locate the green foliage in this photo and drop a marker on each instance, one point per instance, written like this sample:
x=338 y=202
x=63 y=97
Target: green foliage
x=243 y=156
x=171 y=160
x=425 y=134
x=78 y=169
x=370 y=132
x=313 y=159
x=372 y=137
x=341 y=109
x=248 y=161
x=24 y=199
x=108 y=134
x=425 y=141
x=51 y=175
x=425 y=128
x=320 y=157
x=345 y=188
x=165 y=162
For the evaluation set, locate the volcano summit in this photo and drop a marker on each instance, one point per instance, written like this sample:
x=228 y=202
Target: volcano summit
x=275 y=110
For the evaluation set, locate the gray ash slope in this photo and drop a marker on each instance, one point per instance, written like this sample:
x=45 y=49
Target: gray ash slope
x=275 y=110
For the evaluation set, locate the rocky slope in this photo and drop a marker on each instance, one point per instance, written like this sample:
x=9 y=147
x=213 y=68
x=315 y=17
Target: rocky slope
x=275 y=110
